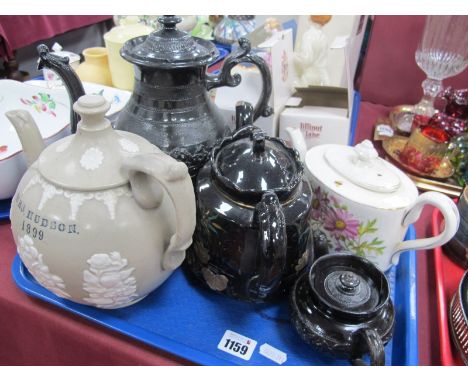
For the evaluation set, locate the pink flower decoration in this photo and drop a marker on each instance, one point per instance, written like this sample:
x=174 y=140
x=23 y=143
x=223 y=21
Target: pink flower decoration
x=319 y=204
x=340 y=223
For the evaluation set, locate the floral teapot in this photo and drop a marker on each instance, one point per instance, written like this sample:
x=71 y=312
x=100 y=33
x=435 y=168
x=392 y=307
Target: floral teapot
x=101 y=217
x=365 y=204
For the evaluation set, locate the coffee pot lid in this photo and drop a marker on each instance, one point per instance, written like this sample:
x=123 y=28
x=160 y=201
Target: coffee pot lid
x=91 y=159
x=348 y=286
x=169 y=48
x=249 y=163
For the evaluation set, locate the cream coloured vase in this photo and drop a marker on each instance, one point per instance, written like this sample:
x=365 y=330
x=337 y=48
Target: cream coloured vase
x=121 y=70
x=95 y=67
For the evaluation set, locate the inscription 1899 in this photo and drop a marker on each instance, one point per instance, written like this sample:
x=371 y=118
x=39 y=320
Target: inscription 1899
x=34 y=224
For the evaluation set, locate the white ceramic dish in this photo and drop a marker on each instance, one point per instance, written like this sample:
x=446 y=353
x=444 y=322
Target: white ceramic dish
x=51 y=111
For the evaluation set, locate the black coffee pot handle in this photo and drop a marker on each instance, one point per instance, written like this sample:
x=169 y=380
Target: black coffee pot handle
x=61 y=66
x=225 y=78
x=271 y=247
x=369 y=341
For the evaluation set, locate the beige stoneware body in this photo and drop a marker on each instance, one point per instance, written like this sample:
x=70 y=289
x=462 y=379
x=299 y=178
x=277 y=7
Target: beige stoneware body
x=103 y=246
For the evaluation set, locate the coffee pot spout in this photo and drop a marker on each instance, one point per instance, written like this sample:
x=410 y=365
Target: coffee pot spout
x=28 y=133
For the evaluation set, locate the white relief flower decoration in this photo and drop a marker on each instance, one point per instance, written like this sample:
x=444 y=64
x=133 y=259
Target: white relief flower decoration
x=92 y=158
x=128 y=146
x=63 y=146
x=108 y=281
x=33 y=260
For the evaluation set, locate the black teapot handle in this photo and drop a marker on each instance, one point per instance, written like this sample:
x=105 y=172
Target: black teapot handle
x=369 y=340
x=61 y=66
x=225 y=78
x=271 y=247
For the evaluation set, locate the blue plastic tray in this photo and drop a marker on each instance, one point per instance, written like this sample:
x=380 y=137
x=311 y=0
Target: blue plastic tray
x=5 y=206
x=189 y=321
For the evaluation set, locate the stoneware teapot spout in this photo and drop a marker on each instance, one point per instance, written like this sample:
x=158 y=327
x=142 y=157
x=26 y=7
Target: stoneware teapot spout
x=28 y=133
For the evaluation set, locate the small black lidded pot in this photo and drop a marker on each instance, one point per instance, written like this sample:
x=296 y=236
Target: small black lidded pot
x=343 y=307
x=252 y=237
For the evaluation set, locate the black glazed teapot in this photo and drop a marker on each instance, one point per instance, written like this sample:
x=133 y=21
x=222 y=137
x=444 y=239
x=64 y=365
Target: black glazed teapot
x=252 y=237
x=170 y=105
x=343 y=307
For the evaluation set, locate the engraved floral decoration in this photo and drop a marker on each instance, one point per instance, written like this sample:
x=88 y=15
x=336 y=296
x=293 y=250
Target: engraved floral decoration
x=42 y=103
x=348 y=232
x=109 y=281
x=92 y=158
x=33 y=260
x=302 y=262
x=215 y=281
x=128 y=145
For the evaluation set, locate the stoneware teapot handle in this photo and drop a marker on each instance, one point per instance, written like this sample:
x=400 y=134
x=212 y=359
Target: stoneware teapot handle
x=61 y=66
x=271 y=247
x=150 y=175
x=451 y=216
x=225 y=78
x=369 y=340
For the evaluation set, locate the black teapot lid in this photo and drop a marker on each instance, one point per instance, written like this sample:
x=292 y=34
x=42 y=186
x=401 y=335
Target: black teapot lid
x=348 y=286
x=249 y=162
x=169 y=48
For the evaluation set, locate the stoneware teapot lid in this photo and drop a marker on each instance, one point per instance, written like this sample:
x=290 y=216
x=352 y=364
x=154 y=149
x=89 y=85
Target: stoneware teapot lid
x=91 y=159
x=249 y=163
x=358 y=174
x=348 y=287
x=169 y=48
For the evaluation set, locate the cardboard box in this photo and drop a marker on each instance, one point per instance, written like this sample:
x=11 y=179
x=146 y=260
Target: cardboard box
x=277 y=52
x=322 y=113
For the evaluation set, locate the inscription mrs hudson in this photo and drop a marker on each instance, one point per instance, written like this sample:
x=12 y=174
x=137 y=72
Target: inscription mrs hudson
x=35 y=224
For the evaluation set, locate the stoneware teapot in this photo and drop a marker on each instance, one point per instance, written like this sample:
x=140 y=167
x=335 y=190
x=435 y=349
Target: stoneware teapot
x=364 y=204
x=252 y=236
x=101 y=217
x=342 y=306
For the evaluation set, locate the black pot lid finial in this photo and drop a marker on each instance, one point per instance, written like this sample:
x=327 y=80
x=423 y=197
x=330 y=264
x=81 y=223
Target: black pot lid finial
x=348 y=286
x=249 y=163
x=169 y=48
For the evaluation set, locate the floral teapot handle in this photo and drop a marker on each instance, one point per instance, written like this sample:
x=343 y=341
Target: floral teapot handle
x=173 y=177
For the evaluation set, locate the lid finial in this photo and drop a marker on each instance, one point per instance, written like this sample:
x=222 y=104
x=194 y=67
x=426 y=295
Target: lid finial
x=92 y=108
x=169 y=21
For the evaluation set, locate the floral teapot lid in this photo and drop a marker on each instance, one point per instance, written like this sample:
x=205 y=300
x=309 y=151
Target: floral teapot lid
x=169 y=48
x=91 y=159
x=358 y=174
x=249 y=163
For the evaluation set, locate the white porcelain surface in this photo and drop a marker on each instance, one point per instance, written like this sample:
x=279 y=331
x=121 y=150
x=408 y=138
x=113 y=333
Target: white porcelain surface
x=362 y=215
x=51 y=111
